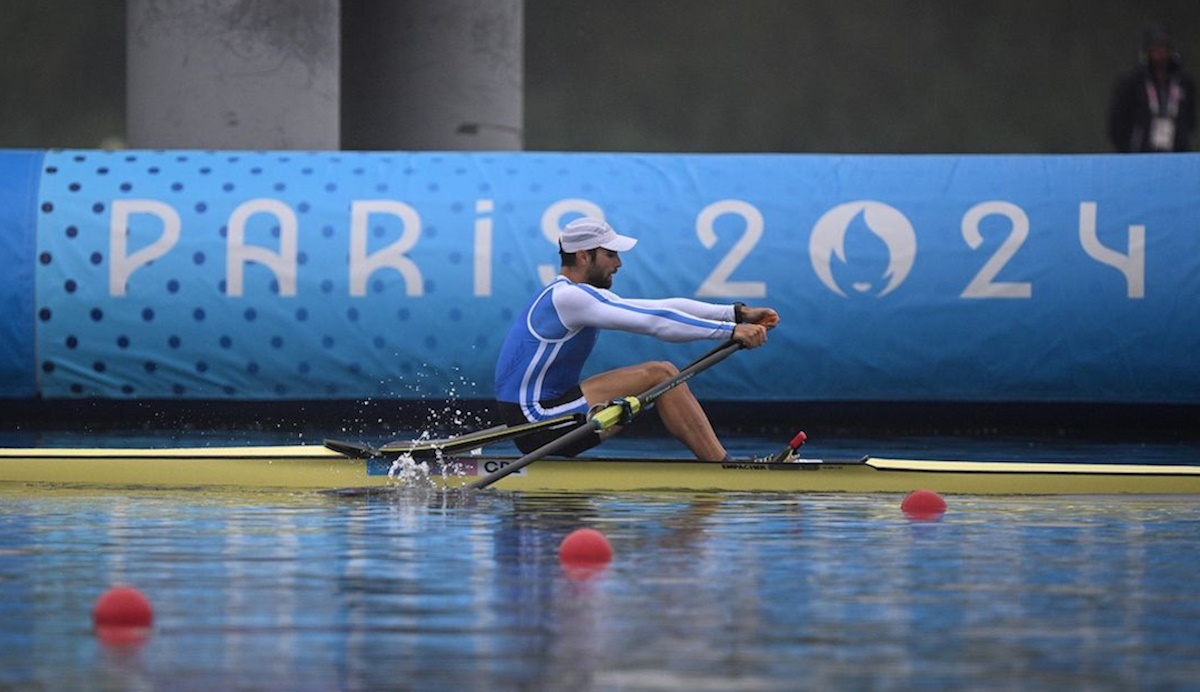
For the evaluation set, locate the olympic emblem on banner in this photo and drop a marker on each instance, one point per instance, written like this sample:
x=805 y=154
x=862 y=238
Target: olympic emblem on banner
x=885 y=222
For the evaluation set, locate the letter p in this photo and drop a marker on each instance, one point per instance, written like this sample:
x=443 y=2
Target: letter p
x=122 y=265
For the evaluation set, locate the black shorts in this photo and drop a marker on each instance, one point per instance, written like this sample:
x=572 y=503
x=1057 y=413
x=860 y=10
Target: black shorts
x=511 y=414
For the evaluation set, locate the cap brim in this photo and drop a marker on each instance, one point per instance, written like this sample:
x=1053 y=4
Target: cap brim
x=621 y=243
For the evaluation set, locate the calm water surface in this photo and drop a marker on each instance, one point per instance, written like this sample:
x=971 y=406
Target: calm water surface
x=425 y=590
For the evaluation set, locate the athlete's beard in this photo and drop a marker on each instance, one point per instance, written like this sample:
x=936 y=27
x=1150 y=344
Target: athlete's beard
x=596 y=277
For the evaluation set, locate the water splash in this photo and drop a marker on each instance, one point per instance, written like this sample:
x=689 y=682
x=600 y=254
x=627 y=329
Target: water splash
x=410 y=472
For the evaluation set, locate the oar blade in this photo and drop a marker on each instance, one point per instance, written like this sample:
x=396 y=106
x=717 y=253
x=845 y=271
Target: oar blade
x=352 y=449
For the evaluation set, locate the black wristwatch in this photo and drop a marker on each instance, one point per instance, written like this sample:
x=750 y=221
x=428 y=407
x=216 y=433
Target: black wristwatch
x=739 y=312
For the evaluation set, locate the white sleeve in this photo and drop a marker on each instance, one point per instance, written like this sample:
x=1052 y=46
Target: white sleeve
x=581 y=306
x=696 y=308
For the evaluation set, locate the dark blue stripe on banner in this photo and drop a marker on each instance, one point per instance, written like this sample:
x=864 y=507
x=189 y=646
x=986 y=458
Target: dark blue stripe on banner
x=19 y=173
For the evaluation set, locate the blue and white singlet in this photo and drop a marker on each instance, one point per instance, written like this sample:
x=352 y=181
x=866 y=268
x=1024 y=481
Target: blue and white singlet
x=543 y=356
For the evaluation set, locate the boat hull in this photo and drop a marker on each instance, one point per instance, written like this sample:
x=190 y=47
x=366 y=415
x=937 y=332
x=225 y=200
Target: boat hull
x=317 y=468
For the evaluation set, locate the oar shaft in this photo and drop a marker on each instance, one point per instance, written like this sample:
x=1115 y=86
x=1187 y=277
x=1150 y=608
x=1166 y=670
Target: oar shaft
x=479 y=438
x=707 y=361
x=545 y=450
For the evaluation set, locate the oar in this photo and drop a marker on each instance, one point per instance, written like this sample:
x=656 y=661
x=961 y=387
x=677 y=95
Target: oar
x=479 y=438
x=450 y=445
x=619 y=412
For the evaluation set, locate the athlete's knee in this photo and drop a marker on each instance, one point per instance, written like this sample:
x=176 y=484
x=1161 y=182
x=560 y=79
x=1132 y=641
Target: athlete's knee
x=661 y=370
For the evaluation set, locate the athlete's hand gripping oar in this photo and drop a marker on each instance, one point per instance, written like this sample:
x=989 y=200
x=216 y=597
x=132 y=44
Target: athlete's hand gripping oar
x=619 y=412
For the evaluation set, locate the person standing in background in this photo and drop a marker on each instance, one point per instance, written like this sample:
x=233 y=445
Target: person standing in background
x=1153 y=108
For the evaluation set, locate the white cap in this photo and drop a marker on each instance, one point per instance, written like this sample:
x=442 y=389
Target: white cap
x=588 y=234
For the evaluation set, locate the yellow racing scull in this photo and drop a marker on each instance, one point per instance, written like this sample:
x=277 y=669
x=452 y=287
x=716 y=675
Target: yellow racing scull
x=316 y=467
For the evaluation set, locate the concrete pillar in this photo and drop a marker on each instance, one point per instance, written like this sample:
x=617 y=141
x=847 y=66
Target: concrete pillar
x=432 y=74
x=233 y=74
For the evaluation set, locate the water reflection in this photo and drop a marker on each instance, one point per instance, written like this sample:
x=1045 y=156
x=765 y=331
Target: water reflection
x=465 y=591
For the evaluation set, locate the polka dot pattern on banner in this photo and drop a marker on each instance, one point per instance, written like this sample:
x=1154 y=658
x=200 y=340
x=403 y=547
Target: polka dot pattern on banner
x=189 y=274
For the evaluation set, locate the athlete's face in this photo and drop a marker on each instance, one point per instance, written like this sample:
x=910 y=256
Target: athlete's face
x=602 y=265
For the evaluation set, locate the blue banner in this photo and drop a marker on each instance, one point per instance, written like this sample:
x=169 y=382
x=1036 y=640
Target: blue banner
x=277 y=275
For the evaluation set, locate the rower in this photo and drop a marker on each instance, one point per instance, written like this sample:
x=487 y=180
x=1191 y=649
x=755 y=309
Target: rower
x=539 y=369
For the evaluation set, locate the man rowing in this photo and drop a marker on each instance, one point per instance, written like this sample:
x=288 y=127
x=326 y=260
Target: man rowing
x=540 y=365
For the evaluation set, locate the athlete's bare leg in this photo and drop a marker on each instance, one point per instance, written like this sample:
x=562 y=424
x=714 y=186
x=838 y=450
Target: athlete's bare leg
x=680 y=412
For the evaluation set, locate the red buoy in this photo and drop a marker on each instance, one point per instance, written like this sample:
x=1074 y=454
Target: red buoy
x=585 y=548
x=923 y=505
x=122 y=615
